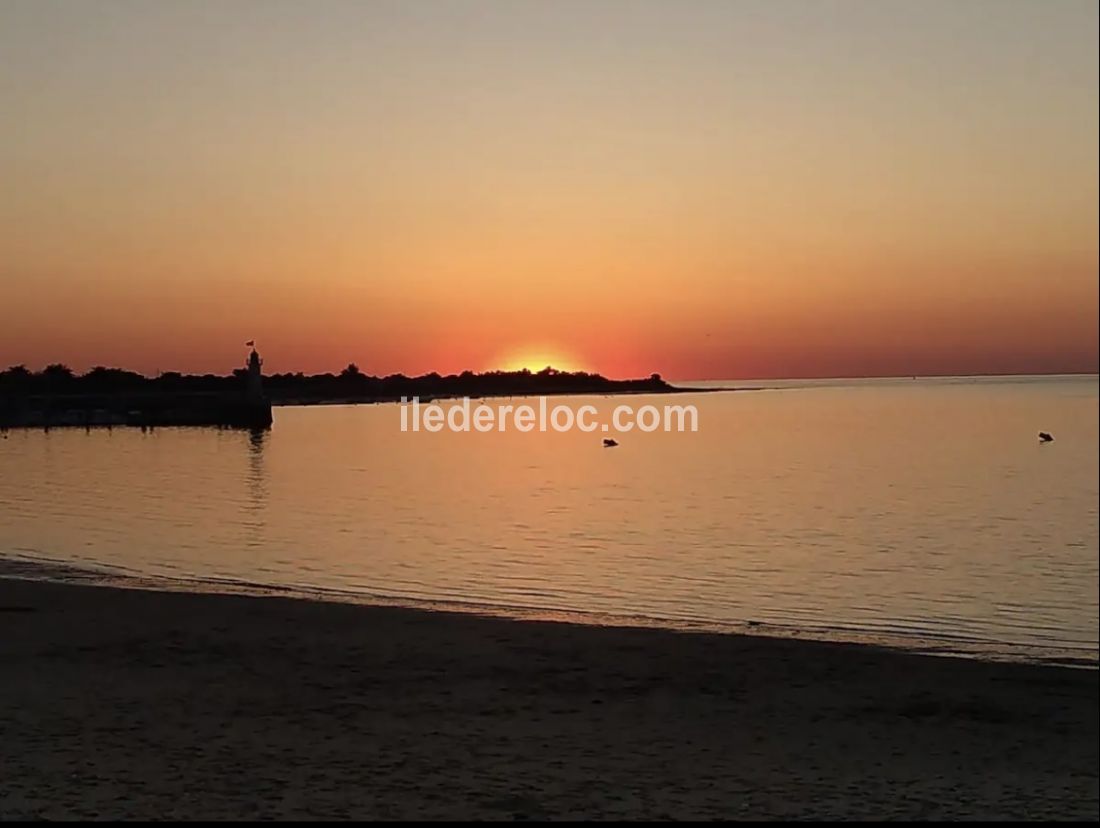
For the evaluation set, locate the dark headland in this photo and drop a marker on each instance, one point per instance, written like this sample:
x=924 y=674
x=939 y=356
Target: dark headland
x=56 y=396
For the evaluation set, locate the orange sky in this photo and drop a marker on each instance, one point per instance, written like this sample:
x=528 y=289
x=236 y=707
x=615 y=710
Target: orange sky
x=703 y=189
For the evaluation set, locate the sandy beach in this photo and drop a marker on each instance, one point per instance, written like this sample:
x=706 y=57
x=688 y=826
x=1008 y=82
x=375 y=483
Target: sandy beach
x=120 y=703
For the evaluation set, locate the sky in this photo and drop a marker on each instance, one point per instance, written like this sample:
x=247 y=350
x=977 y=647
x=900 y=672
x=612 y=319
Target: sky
x=726 y=189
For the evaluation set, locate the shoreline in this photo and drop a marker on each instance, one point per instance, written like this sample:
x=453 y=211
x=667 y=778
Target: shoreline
x=53 y=571
x=123 y=702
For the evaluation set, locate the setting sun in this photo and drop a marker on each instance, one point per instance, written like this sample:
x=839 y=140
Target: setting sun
x=537 y=358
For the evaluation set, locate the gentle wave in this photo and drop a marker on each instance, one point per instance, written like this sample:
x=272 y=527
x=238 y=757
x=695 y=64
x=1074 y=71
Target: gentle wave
x=910 y=638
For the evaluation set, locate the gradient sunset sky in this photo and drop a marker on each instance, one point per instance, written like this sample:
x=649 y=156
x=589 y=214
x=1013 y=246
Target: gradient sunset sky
x=724 y=189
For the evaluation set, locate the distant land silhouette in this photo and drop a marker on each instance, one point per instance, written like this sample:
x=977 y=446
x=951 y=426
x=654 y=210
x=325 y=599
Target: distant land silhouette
x=349 y=384
x=57 y=395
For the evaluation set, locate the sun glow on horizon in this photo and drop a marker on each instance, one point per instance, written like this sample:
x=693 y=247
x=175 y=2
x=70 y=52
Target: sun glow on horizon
x=534 y=359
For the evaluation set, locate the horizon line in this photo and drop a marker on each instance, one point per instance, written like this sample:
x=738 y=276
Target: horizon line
x=643 y=375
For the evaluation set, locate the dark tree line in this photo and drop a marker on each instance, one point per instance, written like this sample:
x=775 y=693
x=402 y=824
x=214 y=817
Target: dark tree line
x=351 y=383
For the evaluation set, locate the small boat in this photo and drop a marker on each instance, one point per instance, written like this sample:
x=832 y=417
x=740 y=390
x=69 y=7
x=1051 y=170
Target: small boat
x=609 y=443
x=1045 y=438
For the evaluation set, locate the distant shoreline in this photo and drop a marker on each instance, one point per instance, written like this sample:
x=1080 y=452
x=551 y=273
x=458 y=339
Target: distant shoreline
x=56 y=397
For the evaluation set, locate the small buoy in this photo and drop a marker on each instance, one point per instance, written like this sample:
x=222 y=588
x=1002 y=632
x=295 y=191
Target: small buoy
x=1045 y=438
x=609 y=443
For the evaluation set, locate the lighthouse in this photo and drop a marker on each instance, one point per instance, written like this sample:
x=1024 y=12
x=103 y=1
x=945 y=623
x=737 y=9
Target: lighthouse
x=254 y=410
x=254 y=388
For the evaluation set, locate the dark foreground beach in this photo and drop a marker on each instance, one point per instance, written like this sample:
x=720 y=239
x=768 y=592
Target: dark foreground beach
x=133 y=704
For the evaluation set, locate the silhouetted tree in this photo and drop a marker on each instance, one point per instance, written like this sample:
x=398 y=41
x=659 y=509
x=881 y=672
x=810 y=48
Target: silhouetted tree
x=57 y=377
x=111 y=379
x=57 y=371
x=17 y=378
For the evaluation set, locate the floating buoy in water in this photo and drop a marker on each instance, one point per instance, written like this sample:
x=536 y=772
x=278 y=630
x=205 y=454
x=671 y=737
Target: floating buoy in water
x=609 y=443
x=1045 y=438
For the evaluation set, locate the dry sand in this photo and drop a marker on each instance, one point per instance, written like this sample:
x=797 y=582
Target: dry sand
x=124 y=703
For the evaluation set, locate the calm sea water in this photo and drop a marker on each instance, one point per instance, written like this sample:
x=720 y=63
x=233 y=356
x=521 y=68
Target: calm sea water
x=917 y=512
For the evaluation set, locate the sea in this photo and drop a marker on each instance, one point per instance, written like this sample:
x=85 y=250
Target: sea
x=915 y=513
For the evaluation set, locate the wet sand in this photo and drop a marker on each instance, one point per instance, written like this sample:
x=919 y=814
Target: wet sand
x=133 y=704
